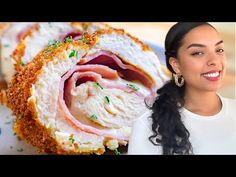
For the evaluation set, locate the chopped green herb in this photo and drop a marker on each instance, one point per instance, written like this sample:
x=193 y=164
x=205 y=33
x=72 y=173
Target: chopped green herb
x=133 y=87
x=6 y=45
x=93 y=117
x=77 y=55
x=116 y=152
x=47 y=51
x=72 y=53
x=20 y=150
x=84 y=40
x=50 y=43
x=22 y=63
x=72 y=140
x=68 y=39
x=107 y=100
x=54 y=44
x=98 y=85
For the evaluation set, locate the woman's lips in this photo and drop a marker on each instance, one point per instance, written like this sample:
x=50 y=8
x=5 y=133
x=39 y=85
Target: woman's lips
x=212 y=75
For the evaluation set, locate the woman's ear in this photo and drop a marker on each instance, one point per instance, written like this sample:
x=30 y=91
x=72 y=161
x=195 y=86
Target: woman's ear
x=175 y=64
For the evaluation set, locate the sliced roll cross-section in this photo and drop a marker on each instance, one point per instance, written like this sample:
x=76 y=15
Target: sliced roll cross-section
x=82 y=97
x=21 y=42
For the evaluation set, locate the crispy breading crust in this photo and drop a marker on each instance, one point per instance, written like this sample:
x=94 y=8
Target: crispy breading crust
x=27 y=125
x=86 y=25
x=122 y=32
x=20 y=49
x=3 y=98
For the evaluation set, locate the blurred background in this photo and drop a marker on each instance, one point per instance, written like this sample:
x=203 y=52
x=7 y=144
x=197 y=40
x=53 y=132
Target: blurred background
x=154 y=35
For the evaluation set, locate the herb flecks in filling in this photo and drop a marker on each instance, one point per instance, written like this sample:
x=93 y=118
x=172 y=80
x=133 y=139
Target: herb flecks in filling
x=107 y=100
x=132 y=86
x=98 y=85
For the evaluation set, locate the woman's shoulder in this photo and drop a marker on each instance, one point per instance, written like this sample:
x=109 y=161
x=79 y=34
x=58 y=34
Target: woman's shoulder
x=230 y=101
x=139 y=140
x=145 y=117
x=230 y=104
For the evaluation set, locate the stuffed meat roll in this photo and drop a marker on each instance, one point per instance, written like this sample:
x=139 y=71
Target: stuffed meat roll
x=81 y=97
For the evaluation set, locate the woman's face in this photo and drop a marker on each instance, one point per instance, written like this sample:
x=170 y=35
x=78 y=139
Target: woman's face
x=201 y=59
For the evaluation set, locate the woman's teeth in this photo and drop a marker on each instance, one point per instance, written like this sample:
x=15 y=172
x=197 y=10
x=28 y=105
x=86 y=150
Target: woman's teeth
x=215 y=74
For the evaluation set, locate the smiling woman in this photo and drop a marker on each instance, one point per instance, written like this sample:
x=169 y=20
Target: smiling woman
x=189 y=116
x=154 y=34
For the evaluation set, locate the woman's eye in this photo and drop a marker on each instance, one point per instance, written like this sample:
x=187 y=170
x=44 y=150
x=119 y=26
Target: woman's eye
x=220 y=50
x=197 y=53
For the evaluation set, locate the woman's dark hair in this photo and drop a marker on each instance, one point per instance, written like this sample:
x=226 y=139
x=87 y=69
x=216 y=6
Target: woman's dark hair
x=167 y=126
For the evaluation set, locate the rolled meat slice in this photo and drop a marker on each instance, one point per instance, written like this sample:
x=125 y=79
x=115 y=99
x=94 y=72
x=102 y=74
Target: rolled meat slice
x=8 y=43
x=3 y=27
x=82 y=96
x=23 y=41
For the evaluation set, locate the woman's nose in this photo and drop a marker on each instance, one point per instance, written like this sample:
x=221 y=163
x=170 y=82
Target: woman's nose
x=213 y=59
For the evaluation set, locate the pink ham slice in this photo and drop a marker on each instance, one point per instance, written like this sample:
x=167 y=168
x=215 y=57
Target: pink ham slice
x=126 y=71
x=89 y=73
x=75 y=35
x=92 y=68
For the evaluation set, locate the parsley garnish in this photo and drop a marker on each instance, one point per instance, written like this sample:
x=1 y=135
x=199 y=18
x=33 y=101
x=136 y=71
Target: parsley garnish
x=107 y=100
x=77 y=55
x=68 y=39
x=98 y=85
x=116 y=152
x=6 y=45
x=133 y=87
x=71 y=139
x=72 y=53
x=54 y=44
x=84 y=40
x=47 y=51
x=93 y=117
x=50 y=43
x=22 y=63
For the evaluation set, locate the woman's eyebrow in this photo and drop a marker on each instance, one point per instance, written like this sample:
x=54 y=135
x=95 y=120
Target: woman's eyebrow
x=196 y=45
x=221 y=41
x=201 y=45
